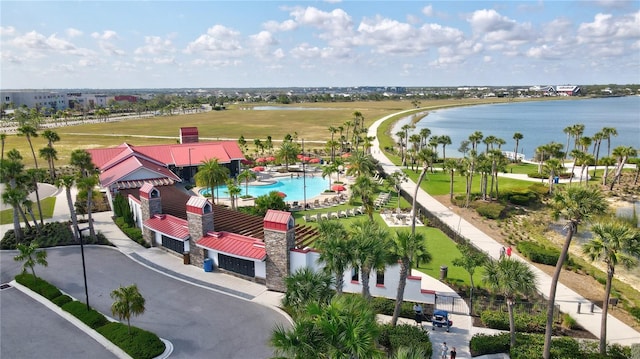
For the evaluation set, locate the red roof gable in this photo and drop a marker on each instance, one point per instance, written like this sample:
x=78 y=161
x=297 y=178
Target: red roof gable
x=168 y=225
x=234 y=244
x=129 y=166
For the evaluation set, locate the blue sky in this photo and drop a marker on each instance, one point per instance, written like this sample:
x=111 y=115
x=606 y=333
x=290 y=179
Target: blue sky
x=164 y=44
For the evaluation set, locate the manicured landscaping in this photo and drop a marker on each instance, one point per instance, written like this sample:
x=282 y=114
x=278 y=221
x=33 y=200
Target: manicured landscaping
x=47 y=204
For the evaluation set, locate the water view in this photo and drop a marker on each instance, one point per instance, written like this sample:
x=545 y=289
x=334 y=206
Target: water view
x=292 y=187
x=540 y=122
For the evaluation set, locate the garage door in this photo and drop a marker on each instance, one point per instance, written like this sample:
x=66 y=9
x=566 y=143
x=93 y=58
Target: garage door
x=237 y=265
x=173 y=244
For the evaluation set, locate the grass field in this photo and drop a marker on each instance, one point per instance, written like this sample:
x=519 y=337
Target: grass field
x=47 y=205
x=311 y=125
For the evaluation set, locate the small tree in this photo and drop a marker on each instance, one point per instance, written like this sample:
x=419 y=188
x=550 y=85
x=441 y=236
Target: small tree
x=471 y=259
x=30 y=255
x=128 y=301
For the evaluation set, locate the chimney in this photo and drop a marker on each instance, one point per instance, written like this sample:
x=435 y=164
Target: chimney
x=279 y=239
x=200 y=222
x=150 y=205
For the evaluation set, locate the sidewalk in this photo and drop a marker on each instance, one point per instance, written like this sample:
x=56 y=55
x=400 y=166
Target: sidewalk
x=567 y=299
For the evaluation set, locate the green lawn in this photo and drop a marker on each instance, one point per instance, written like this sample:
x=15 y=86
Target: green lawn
x=6 y=216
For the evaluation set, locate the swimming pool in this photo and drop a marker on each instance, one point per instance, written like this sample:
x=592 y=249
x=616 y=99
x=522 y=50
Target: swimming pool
x=292 y=187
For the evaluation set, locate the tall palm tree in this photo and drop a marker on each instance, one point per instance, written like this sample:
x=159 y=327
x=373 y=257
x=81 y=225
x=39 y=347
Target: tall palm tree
x=51 y=155
x=615 y=242
x=127 y=302
x=333 y=130
x=404 y=248
x=622 y=153
x=210 y=174
x=364 y=188
x=510 y=278
x=575 y=205
x=395 y=181
x=607 y=161
x=607 y=132
x=34 y=176
x=424 y=136
x=371 y=250
x=287 y=153
x=554 y=167
x=335 y=250
x=15 y=197
x=517 y=137
x=361 y=164
x=30 y=255
x=87 y=179
x=597 y=140
x=29 y=132
x=424 y=156
x=247 y=176
x=68 y=181
x=444 y=140
x=3 y=138
x=329 y=169
x=234 y=191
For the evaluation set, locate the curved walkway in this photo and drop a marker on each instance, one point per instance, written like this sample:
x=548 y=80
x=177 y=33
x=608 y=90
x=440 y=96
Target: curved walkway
x=568 y=300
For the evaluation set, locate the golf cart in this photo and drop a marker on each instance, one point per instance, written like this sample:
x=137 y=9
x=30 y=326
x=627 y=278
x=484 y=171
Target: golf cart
x=440 y=319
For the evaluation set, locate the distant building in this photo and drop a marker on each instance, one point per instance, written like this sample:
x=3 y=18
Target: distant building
x=41 y=100
x=567 y=90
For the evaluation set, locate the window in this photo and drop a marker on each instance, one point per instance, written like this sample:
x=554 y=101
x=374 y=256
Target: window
x=355 y=274
x=379 y=277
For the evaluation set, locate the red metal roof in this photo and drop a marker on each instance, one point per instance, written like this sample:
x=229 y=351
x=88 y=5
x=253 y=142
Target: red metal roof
x=168 y=225
x=234 y=244
x=131 y=165
x=274 y=216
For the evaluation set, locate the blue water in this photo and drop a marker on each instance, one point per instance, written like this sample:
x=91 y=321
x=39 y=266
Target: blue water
x=540 y=122
x=292 y=187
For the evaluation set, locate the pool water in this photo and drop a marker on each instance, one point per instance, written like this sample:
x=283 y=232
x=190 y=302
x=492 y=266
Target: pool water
x=292 y=187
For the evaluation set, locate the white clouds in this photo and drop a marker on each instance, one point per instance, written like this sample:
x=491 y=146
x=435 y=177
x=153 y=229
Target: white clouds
x=275 y=26
x=105 y=42
x=427 y=10
x=106 y=35
x=219 y=40
x=7 y=30
x=155 y=45
x=606 y=27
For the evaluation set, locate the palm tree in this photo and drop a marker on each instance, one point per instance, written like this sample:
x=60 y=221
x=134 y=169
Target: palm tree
x=424 y=156
x=395 y=181
x=127 y=302
x=510 y=277
x=34 y=176
x=50 y=154
x=306 y=285
x=210 y=174
x=616 y=242
x=335 y=250
x=287 y=153
x=575 y=205
x=360 y=164
x=371 y=250
x=247 y=176
x=424 y=135
x=30 y=255
x=3 y=138
x=364 y=188
x=555 y=167
x=470 y=259
x=333 y=131
x=15 y=197
x=344 y=328
x=405 y=246
x=444 y=140
x=86 y=180
x=597 y=140
x=622 y=153
x=607 y=132
x=234 y=191
x=607 y=161
x=329 y=169
x=517 y=137
x=67 y=181
x=29 y=131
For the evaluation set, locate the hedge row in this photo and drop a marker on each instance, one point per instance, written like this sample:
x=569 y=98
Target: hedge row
x=525 y=323
x=52 y=234
x=134 y=233
x=140 y=344
x=529 y=346
x=538 y=254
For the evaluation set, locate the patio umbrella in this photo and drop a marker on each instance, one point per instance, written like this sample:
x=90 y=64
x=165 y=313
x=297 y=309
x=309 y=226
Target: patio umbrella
x=306 y=159
x=270 y=159
x=261 y=160
x=300 y=156
x=246 y=162
x=346 y=155
x=314 y=160
x=282 y=194
x=258 y=168
x=338 y=187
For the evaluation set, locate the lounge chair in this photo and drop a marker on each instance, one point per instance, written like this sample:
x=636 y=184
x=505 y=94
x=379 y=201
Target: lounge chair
x=326 y=215
x=342 y=214
x=335 y=215
x=350 y=212
x=359 y=210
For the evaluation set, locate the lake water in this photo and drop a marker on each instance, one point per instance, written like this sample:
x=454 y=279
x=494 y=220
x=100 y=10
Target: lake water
x=540 y=122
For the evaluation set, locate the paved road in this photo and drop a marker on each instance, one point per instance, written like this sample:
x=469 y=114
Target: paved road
x=199 y=322
x=30 y=330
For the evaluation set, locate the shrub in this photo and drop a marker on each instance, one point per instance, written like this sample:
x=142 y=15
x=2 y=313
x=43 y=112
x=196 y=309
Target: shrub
x=635 y=311
x=491 y=210
x=538 y=254
x=52 y=234
x=38 y=285
x=519 y=199
x=408 y=336
x=482 y=344
x=61 y=300
x=525 y=323
x=140 y=344
x=568 y=322
x=91 y=318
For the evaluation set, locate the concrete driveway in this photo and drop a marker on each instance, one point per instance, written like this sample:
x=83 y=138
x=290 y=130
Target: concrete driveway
x=199 y=322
